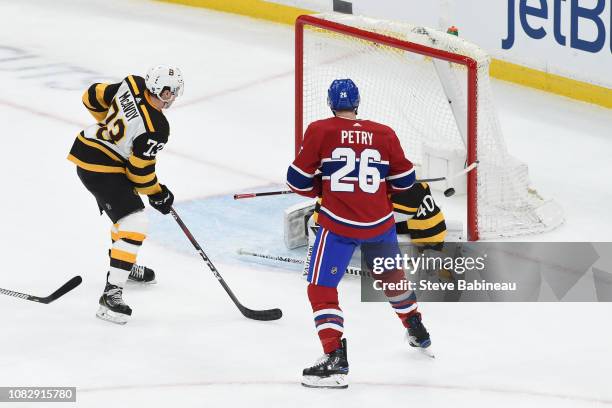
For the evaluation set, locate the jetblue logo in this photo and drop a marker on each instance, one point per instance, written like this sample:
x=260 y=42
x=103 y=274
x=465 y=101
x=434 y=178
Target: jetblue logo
x=540 y=11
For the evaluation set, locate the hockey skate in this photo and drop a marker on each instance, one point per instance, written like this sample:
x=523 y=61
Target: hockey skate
x=329 y=371
x=142 y=274
x=417 y=334
x=112 y=307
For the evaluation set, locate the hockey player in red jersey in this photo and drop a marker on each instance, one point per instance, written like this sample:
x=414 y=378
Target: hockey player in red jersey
x=352 y=165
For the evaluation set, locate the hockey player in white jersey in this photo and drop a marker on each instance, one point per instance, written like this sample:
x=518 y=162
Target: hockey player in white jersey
x=115 y=161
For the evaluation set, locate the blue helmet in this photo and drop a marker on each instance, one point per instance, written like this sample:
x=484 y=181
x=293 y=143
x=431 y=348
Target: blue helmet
x=343 y=95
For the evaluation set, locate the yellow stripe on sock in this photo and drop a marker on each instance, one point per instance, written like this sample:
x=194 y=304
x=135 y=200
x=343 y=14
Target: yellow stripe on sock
x=134 y=236
x=123 y=256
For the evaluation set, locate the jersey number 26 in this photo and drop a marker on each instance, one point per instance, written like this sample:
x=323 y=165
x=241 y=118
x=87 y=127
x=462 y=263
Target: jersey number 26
x=367 y=176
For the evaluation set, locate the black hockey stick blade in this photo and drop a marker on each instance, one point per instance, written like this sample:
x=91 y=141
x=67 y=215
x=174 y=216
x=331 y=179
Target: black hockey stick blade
x=67 y=287
x=262 y=315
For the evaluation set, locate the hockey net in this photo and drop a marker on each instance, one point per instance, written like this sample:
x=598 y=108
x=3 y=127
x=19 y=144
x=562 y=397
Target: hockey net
x=433 y=89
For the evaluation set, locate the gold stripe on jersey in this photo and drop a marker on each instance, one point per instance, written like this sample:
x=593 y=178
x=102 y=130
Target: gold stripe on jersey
x=408 y=202
x=95 y=156
x=100 y=147
x=85 y=99
x=404 y=209
x=98 y=116
x=427 y=223
x=141 y=171
x=141 y=163
x=145 y=113
x=134 y=86
x=148 y=188
x=147 y=95
x=140 y=179
x=100 y=89
x=431 y=235
x=93 y=99
x=96 y=113
x=98 y=168
x=427 y=226
x=142 y=174
x=431 y=240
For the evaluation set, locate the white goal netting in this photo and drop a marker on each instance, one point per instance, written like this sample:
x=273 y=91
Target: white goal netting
x=425 y=100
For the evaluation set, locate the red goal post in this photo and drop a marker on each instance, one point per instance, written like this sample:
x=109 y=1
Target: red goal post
x=472 y=92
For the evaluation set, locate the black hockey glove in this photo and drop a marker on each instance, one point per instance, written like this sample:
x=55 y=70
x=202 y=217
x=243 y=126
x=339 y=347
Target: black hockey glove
x=163 y=200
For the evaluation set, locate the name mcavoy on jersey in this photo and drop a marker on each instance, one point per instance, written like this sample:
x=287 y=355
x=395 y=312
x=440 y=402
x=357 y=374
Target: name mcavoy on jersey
x=128 y=106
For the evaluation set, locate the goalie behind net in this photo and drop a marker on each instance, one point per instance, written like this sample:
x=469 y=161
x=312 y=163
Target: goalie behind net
x=424 y=100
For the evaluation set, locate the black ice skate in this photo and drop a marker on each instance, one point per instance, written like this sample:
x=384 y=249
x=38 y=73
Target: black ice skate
x=417 y=334
x=112 y=307
x=329 y=371
x=142 y=274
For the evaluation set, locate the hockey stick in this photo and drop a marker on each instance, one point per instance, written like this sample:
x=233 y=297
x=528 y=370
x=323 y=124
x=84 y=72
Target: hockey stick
x=67 y=287
x=448 y=192
x=271 y=314
x=349 y=270
x=253 y=195
x=286 y=259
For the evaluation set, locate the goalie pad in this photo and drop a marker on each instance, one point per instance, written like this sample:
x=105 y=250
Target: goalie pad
x=295 y=224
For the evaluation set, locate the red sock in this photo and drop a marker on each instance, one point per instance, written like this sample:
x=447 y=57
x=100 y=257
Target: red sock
x=403 y=301
x=328 y=316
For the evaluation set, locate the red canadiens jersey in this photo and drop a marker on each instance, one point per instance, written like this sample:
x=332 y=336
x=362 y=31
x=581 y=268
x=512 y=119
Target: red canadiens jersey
x=352 y=165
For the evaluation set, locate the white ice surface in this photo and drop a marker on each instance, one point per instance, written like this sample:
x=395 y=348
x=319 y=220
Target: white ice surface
x=187 y=346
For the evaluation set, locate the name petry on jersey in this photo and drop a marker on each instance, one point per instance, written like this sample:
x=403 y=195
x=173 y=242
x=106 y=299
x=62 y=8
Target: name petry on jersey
x=129 y=133
x=353 y=165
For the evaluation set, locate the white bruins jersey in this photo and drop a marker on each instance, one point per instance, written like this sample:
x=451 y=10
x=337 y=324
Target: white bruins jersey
x=129 y=133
